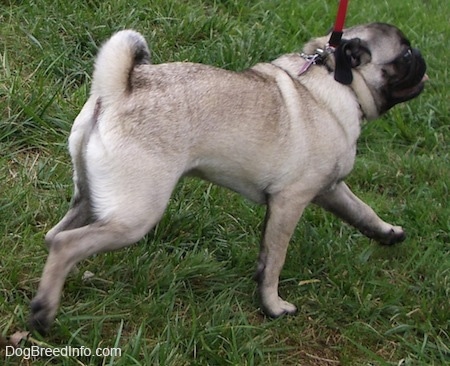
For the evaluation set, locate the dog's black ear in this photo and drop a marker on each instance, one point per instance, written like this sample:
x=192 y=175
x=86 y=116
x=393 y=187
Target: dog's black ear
x=349 y=54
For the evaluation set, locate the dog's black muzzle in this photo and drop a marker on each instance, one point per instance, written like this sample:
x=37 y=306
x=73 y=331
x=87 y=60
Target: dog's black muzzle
x=411 y=78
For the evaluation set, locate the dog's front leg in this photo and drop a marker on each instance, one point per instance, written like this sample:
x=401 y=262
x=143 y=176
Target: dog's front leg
x=343 y=203
x=283 y=213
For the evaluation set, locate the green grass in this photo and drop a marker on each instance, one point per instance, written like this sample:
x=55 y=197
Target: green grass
x=184 y=295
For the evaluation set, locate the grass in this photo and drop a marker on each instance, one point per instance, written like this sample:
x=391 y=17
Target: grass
x=184 y=295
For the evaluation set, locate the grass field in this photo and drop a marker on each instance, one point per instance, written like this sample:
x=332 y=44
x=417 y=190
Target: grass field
x=185 y=294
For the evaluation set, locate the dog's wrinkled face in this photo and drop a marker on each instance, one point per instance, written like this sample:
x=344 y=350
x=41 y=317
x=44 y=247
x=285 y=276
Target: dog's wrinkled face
x=395 y=71
x=405 y=77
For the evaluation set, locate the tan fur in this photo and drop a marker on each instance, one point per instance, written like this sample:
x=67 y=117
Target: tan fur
x=276 y=137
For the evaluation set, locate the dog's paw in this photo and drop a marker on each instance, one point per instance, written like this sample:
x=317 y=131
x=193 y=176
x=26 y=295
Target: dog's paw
x=278 y=307
x=388 y=236
x=395 y=235
x=40 y=318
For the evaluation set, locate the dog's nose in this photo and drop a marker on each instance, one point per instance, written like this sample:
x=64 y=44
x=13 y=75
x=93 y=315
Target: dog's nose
x=416 y=52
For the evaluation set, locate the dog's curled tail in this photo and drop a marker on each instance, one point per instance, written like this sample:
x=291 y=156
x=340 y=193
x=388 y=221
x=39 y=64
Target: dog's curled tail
x=115 y=62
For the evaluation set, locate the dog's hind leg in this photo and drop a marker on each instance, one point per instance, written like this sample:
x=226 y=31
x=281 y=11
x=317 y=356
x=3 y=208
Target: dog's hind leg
x=342 y=202
x=67 y=249
x=78 y=215
x=123 y=226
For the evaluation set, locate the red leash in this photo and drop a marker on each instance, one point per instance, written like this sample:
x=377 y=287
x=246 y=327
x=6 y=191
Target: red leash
x=321 y=55
x=336 y=36
x=340 y=19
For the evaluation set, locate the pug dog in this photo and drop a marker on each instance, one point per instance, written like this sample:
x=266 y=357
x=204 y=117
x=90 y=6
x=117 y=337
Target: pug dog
x=281 y=133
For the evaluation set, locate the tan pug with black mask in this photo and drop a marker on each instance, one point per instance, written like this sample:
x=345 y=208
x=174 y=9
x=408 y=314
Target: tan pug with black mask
x=277 y=136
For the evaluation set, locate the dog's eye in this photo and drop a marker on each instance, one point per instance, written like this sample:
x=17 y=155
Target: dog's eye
x=407 y=56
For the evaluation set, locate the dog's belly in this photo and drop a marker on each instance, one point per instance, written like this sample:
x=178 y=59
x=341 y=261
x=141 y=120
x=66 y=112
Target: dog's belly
x=256 y=178
x=249 y=188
